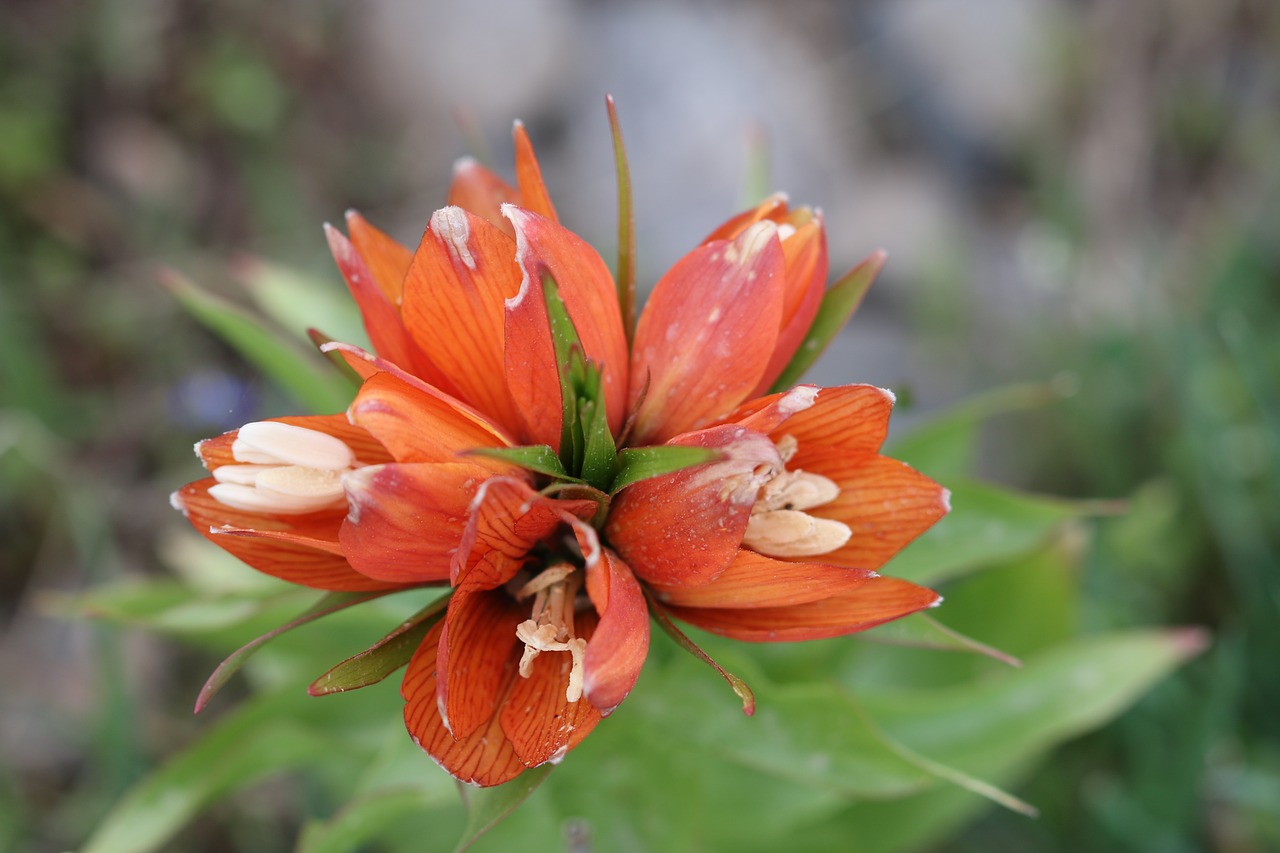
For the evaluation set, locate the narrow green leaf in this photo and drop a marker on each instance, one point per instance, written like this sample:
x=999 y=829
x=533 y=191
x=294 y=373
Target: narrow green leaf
x=334 y=357
x=758 y=179
x=599 y=458
x=267 y=735
x=838 y=305
x=568 y=348
x=365 y=819
x=739 y=686
x=383 y=657
x=641 y=463
x=987 y=525
x=486 y=807
x=539 y=457
x=944 y=446
x=331 y=603
x=263 y=348
x=1058 y=693
x=294 y=300
x=950 y=774
x=924 y=632
x=626 y=272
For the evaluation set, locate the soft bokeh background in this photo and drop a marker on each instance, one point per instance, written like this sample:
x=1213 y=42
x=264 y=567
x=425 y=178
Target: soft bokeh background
x=1080 y=192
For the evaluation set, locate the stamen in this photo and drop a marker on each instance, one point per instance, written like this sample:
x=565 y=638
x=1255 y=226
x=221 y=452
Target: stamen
x=544 y=579
x=779 y=527
x=550 y=626
x=790 y=533
x=287 y=470
x=294 y=445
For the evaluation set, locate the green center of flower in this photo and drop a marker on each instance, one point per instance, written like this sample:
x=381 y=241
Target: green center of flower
x=779 y=525
x=549 y=628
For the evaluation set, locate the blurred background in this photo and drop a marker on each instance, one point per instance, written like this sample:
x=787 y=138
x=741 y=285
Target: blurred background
x=1083 y=193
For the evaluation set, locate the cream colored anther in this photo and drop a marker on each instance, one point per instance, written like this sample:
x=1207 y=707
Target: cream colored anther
x=779 y=525
x=550 y=628
x=288 y=470
x=790 y=533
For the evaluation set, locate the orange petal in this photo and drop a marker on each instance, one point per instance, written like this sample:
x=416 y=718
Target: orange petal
x=507 y=520
x=767 y=414
x=419 y=423
x=483 y=758
x=586 y=286
x=405 y=521
x=461 y=275
x=886 y=503
x=706 y=334
x=381 y=318
x=774 y=208
x=533 y=191
x=478 y=190
x=538 y=719
x=477 y=657
x=805 y=254
x=853 y=418
x=387 y=260
x=616 y=652
x=297 y=561
x=217 y=451
x=754 y=580
x=878 y=600
x=682 y=529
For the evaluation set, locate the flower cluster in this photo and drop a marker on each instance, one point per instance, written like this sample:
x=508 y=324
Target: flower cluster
x=568 y=475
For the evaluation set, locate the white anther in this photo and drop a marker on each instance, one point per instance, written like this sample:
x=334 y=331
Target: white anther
x=797 y=490
x=544 y=579
x=299 y=482
x=791 y=533
x=288 y=470
x=286 y=444
x=244 y=475
x=242 y=451
x=249 y=498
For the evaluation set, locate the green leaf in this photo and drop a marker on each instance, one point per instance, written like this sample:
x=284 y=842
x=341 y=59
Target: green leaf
x=924 y=632
x=838 y=305
x=540 y=458
x=295 y=301
x=383 y=657
x=599 y=459
x=331 y=603
x=758 y=180
x=987 y=525
x=366 y=819
x=486 y=807
x=641 y=463
x=285 y=364
x=569 y=361
x=1059 y=693
x=268 y=735
x=944 y=446
x=682 y=640
x=334 y=357
x=626 y=271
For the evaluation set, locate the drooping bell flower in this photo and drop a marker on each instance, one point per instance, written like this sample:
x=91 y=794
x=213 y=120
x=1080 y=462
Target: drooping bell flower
x=566 y=474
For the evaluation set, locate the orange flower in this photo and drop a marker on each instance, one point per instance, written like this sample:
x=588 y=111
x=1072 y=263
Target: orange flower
x=758 y=517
